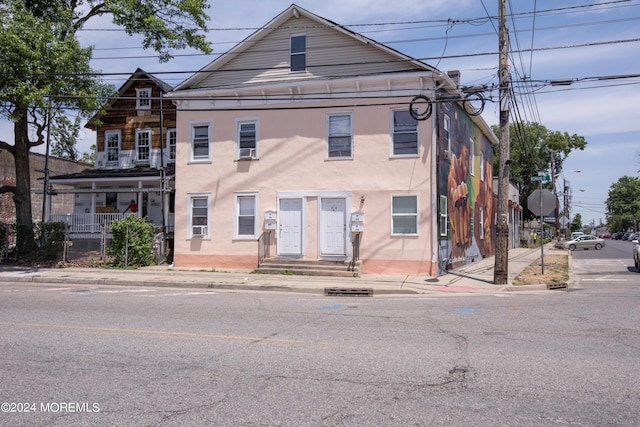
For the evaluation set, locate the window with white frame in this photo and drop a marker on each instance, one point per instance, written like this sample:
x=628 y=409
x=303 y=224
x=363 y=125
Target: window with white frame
x=446 y=133
x=472 y=150
x=247 y=140
x=143 y=99
x=198 y=221
x=200 y=133
x=444 y=216
x=245 y=216
x=298 y=52
x=404 y=214
x=481 y=166
x=112 y=146
x=171 y=144
x=339 y=140
x=405 y=134
x=481 y=222
x=143 y=145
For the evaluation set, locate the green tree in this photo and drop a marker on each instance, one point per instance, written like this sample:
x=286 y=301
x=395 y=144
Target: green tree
x=34 y=56
x=89 y=157
x=623 y=203
x=576 y=223
x=64 y=136
x=534 y=148
x=45 y=71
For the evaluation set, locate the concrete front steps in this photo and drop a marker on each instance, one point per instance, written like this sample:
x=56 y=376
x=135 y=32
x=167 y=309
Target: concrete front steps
x=305 y=267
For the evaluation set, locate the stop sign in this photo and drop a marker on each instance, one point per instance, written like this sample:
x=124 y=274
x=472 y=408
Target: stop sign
x=548 y=202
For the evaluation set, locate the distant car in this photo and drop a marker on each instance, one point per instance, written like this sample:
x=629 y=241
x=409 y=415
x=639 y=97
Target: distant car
x=632 y=237
x=606 y=236
x=626 y=236
x=576 y=234
x=636 y=254
x=582 y=242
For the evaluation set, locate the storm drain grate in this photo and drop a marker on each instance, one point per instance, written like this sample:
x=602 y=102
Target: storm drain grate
x=349 y=291
x=556 y=286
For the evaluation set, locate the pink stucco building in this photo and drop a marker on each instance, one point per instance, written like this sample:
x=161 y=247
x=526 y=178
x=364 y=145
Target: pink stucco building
x=301 y=138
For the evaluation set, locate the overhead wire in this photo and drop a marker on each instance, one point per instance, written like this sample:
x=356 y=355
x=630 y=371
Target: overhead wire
x=527 y=88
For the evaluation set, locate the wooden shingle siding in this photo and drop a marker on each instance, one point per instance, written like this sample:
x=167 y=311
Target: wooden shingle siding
x=329 y=55
x=124 y=116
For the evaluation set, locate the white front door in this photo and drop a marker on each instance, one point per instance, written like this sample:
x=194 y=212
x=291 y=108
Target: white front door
x=333 y=227
x=290 y=227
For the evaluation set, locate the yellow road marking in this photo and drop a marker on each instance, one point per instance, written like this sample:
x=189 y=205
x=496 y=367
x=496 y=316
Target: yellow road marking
x=156 y=332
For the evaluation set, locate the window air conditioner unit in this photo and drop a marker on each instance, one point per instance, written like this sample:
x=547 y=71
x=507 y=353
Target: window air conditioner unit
x=199 y=231
x=446 y=154
x=247 y=154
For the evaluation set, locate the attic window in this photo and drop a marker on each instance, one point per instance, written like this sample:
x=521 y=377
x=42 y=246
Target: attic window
x=143 y=99
x=298 y=59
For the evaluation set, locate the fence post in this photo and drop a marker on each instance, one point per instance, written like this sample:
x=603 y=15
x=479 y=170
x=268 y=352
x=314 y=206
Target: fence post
x=126 y=247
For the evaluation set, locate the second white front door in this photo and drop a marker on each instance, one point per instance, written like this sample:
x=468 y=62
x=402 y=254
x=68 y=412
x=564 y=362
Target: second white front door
x=333 y=227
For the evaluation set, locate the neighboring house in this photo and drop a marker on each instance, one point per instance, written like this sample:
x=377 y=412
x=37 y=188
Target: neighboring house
x=301 y=137
x=135 y=159
x=37 y=161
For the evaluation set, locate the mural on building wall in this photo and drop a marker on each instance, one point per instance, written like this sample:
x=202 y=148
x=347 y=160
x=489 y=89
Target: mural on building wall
x=465 y=177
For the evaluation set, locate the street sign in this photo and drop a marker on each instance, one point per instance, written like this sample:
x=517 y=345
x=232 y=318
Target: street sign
x=548 y=202
x=543 y=178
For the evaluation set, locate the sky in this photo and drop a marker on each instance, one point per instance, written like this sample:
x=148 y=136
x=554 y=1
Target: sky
x=582 y=42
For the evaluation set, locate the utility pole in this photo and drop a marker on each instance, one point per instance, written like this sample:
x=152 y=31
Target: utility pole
x=502 y=227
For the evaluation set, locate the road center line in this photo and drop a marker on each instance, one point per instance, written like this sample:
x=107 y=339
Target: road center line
x=156 y=332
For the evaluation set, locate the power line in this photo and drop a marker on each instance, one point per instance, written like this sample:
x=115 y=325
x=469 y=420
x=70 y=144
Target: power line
x=557 y=10
x=422 y=59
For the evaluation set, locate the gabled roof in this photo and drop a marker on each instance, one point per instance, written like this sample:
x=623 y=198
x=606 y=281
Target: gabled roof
x=164 y=86
x=293 y=11
x=137 y=75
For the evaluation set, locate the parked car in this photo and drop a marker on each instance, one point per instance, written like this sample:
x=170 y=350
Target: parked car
x=582 y=242
x=576 y=234
x=632 y=237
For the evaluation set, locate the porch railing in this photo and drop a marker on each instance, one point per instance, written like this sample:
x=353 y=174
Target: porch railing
x=91 y=225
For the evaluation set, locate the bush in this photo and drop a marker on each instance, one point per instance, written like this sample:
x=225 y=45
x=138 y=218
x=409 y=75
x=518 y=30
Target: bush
x=3 y=240
x=132 y=243
x=50 y=239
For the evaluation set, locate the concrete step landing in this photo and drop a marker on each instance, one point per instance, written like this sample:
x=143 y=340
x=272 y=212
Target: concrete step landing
x=306 y=267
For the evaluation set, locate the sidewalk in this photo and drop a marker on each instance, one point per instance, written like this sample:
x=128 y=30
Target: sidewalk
x=473 y=278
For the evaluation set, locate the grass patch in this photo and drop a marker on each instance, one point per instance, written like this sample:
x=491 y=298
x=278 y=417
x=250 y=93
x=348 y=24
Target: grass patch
x=556 y=271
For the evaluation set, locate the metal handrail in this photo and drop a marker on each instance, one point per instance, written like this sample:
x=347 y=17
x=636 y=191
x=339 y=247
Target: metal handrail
x=355 y=242
x=264 y=246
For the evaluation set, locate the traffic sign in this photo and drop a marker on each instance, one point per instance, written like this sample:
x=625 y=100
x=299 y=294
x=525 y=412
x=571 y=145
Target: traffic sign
x=548 y=202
